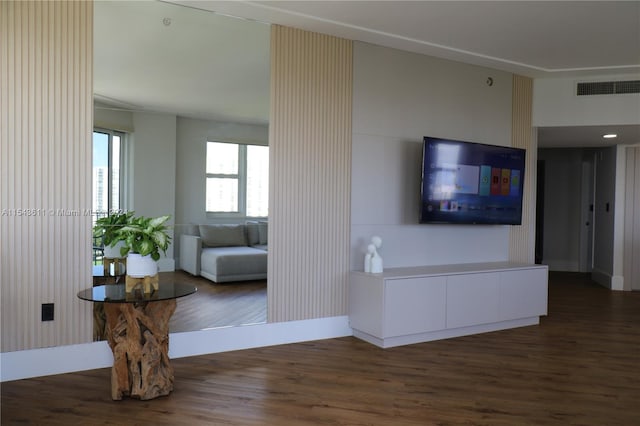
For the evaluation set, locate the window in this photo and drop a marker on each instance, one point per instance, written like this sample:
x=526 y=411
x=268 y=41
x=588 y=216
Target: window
x=107 y=171
x=237 y=179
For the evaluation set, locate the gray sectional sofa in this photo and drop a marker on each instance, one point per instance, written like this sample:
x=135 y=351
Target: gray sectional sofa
x=225 y=253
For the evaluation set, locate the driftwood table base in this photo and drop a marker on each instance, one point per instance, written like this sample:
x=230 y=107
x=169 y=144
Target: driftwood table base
x=138 y=334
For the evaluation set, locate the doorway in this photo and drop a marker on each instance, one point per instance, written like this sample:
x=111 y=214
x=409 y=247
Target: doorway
x=564 y=209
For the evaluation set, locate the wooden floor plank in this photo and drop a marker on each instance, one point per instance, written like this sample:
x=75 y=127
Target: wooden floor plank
x=217 y=304
x=578 y=367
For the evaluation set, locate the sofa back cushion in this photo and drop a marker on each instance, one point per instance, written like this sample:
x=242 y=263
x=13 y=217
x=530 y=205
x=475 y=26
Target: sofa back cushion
x=253 y=236
x=223 y=235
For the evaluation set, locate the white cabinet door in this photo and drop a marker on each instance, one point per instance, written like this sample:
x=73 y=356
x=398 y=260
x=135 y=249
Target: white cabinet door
x=523 y=293
x=414 y=305
x=366 y=310
x=472 y=299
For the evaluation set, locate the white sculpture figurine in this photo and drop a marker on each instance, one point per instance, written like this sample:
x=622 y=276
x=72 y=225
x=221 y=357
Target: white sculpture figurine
x=373 y=261
x=376 y=263
x=367 y=258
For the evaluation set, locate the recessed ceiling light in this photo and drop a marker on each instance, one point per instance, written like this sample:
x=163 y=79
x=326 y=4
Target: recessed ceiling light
x=610 y=136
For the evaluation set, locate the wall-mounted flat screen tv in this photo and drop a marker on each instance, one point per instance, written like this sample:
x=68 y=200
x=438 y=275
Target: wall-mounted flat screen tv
x=464 y=182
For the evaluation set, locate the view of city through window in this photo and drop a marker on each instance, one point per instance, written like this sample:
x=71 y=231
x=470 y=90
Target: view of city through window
x=106 y=173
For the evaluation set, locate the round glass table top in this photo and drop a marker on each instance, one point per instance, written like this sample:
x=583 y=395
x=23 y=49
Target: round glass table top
x=115 y=293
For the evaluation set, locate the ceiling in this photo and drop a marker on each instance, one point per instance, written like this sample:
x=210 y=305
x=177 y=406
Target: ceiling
x=154 y=56
x=533 y=38
x=586 y=136
x=224 y=74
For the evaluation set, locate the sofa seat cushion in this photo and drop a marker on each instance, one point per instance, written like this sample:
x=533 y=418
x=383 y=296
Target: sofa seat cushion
x=233 y=261
x=263 y=247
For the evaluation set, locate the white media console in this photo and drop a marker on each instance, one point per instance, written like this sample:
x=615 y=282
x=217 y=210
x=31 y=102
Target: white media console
x=409 y=305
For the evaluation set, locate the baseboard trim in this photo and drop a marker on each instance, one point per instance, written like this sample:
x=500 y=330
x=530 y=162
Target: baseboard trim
x=166 y=264
x=612 y=282
x=617 y=282
x=255 y=336
x=89 y=356
x=562 y=265
x=430 y=336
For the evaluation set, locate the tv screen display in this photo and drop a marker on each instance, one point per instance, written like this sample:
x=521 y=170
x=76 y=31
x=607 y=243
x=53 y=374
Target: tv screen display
x=464 y=182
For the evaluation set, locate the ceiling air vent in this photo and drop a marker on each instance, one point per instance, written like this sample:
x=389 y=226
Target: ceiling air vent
x=608 y=87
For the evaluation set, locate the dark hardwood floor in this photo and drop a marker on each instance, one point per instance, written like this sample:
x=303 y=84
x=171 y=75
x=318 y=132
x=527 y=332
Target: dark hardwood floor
x=217 y=304
x=580 y=366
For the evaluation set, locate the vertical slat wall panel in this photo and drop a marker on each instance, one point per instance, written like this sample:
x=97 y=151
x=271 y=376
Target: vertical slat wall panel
x=522 y=238
x=46 y=65
x=310 y=145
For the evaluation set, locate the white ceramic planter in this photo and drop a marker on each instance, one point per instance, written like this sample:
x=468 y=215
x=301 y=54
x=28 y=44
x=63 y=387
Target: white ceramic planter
x=113 y=252
x=141 y=266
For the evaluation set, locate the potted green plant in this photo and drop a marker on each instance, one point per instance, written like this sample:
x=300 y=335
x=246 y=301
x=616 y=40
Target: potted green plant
x=106 y=230
x=144 y=238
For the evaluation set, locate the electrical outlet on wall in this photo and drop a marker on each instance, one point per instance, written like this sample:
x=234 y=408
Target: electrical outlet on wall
x=47 y=312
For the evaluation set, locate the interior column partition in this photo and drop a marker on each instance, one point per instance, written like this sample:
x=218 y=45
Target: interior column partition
x=522 y=238
x=310 y=171
x=46 y=88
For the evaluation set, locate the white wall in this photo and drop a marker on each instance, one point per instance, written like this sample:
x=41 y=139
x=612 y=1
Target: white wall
x=398 y=98
x=632 y=220
x=608 y=236
x=555 y=103
x=154 y=170
x=617 y=279
x=111 y=118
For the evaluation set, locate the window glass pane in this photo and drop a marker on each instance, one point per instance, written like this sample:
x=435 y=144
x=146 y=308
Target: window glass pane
x=115 y=170
x=222 y=195
x=100 y=203
x=222 y=158
x=257 y=181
